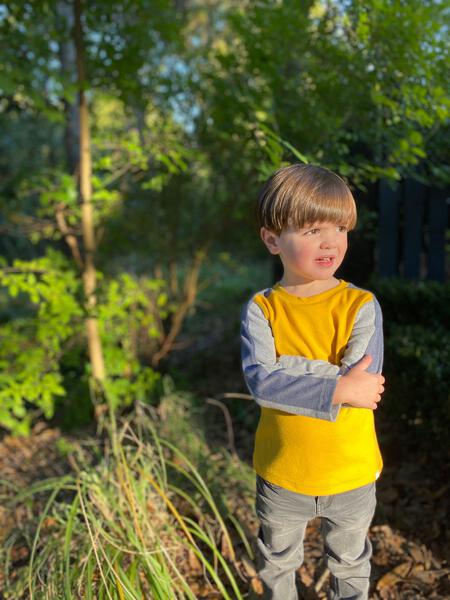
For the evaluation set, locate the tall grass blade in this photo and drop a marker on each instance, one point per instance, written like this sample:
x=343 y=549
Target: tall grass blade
x=66 y=550
x=242 y=535
x=57 y=486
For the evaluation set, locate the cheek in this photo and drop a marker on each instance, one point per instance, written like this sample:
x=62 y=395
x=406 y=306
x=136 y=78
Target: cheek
x=343 y=244
x=298 y=252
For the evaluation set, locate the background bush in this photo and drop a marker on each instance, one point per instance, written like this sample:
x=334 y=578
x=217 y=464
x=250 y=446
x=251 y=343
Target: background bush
x=417 y=355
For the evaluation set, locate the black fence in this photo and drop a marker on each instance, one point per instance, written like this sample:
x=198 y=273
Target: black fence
x=413 y=221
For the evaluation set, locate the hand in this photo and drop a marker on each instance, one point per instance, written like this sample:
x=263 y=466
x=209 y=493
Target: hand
x=358 y=387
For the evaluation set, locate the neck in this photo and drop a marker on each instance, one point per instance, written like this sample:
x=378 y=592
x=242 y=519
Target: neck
x=308 y=288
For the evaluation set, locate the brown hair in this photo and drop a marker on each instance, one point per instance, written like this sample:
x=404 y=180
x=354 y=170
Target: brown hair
x=300 y=195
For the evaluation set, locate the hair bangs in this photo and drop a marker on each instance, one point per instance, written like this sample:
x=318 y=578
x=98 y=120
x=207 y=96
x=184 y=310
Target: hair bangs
x=329 y=202
x=299 y=195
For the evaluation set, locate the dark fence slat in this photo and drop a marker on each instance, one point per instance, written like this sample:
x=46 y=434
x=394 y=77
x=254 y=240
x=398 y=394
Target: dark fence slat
x=414 y=194
x=437 y=224
x=388 y=235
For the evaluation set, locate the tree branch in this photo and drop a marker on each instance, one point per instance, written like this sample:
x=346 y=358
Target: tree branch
x=117 y=174
x=228 y=421
x=69 y=237
x=190 y=292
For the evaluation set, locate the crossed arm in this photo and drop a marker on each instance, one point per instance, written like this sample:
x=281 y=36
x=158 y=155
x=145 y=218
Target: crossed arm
x=315 y=388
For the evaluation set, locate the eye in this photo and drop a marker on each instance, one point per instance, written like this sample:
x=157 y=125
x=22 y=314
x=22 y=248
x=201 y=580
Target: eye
x=342 y=228
x=312 y=231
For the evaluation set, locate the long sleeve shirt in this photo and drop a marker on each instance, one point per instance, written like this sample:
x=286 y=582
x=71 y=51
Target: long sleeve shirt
x=293 y=351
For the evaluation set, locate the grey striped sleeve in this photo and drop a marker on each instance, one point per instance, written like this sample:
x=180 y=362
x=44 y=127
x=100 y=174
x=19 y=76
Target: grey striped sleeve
x=295 y=384
x=292 y=384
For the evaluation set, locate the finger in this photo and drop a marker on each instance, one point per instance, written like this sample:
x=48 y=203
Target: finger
x=381 y=389
x=382 y=379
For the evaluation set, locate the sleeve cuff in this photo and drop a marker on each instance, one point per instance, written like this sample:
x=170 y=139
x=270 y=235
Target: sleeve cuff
x=328 y=390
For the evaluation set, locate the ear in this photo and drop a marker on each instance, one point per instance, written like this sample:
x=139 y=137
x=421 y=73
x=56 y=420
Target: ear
x=271 y=240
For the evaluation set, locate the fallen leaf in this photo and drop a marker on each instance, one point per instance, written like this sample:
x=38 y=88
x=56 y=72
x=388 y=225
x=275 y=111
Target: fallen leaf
x=306 y=577
x=194 y=563
x=249 y=567
x=398 y=574
x=256 y=586
x=417 y=554
x=427 y=577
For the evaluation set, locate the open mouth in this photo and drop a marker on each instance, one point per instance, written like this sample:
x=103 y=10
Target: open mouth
x=325 y=261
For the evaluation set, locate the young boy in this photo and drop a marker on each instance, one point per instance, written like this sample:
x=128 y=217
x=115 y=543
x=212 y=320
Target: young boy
x=312 y=351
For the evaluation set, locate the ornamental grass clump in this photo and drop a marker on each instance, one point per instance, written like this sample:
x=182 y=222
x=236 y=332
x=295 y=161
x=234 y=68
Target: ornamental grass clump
x=141 y=523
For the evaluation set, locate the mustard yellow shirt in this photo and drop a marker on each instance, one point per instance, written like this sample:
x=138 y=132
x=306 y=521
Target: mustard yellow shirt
x=293 y=352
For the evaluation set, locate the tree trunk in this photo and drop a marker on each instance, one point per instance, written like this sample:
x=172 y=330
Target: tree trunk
x=85 y=190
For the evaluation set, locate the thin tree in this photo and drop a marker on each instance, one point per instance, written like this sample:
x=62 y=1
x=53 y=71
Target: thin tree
x=87 y=216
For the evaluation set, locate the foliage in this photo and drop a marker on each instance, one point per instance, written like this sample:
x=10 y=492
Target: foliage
x=417 y=359
x=183 y=420
x=43 y=338
x=357 y=86
x=142 y=522
x=151 y=169
x=32 y=342
x=129 y=312
x=426 y=301
x=191 y=106
x=120 y=40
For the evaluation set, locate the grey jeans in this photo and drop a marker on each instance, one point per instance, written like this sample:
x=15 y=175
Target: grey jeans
x=283 y=518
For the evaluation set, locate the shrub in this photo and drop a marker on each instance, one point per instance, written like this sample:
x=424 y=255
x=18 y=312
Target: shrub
x=417 y=355
x=43 y=356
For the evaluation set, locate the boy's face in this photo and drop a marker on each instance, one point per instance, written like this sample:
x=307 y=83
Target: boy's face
x=312 y=253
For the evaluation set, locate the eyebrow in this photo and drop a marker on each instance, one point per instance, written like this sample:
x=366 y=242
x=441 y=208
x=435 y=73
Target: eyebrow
x=322 y=224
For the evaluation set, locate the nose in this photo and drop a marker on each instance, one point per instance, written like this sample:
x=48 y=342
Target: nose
x=328 y=238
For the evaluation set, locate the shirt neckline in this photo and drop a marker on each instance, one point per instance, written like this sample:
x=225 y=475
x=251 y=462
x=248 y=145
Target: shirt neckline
x=309 y=299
